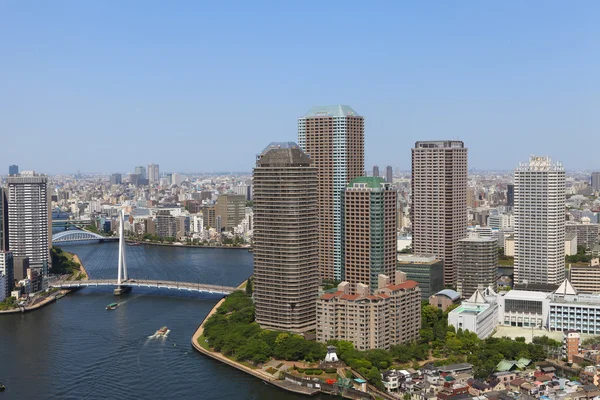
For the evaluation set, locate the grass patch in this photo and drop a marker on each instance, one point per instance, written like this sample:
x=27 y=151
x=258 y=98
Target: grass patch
x=202 y=343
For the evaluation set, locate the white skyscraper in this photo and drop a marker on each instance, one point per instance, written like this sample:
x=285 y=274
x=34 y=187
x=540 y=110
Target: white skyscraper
x=540 y=221
x=28 y=218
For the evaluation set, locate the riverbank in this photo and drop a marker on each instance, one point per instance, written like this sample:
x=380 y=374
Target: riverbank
x=37 y=305
x=81 y=267
x=285 y=385
x=191 y=246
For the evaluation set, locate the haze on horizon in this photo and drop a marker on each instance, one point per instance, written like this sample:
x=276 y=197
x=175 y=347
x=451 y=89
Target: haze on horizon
x=105 y=86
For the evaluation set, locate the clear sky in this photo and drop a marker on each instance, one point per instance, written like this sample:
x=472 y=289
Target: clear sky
x=102 y=86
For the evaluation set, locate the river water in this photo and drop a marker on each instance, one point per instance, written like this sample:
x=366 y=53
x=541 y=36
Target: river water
x=75 y=349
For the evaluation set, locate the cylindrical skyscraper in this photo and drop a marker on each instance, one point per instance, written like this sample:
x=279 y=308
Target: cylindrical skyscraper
x=285 y=241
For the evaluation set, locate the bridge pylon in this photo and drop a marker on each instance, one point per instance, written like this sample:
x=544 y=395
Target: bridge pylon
x=122 y=267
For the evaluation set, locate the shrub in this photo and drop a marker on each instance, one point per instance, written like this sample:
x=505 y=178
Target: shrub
x=309 y=372
x=318 y=372
x=300 y=370
x=330 y=371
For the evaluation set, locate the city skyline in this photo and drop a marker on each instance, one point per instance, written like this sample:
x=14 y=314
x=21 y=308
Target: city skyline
x=139 y=87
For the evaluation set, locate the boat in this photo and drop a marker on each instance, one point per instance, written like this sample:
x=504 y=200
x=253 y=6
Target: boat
x=112 y=306
x=163 y=331
x=2 y=387
x=134 y=244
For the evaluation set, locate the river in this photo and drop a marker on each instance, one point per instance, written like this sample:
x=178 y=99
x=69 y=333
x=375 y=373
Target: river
x=75 y=349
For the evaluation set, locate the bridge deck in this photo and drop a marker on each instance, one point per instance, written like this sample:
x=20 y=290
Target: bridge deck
x=186 y=286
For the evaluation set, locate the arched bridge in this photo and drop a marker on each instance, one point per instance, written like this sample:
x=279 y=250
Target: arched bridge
x=182 y=286
x=78 y=236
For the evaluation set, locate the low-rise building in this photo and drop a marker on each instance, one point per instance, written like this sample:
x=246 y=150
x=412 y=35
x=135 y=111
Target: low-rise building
x=586 y=278
x=571 y=344
x=444 y=299
x=478 y=314
x=570 y=310
x=389 y=316
x=524 y=308
x=428 y=271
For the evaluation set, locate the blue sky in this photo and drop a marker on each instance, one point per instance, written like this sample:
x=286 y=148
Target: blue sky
x=204 y=86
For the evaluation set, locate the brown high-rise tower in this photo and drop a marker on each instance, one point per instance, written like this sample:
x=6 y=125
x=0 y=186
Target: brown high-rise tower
x=439 y=201
x=286 y=274
x=334 y=137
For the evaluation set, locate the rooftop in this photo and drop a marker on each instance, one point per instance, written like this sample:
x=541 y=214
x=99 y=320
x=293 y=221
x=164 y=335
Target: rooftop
x=371 y=182
x=525 y=295
x=331 y=111
x=449 y=293
x=413 y=259
x=282 y=154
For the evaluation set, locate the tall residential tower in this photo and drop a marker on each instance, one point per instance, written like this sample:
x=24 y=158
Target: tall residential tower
x=29 y=219
x=369 y=231
x=285 y=244
x=540 y=222
x=334 y=138
x=439 y=201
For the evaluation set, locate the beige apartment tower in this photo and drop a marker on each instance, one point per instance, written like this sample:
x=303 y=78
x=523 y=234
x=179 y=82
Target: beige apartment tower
x=334 y=137
x=369 y=226
x=439 y=201
x=286 y=252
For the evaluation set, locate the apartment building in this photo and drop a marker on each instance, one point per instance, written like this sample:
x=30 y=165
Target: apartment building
x=29 y=219
x=439 y=201
x=286 y=274
x=389 y=316
x=539 y=222
x=477 y=264
x=232 y=209
x=369 y=226
x=586 y=278
x=588 y=234
x=333 y=136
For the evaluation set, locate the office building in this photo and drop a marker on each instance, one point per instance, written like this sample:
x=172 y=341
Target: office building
x=477 y=264
x=501 y=221
x=439 y=201
x=369 y=227
x=587 y=232
x=539 y=222
x=285 y=243
x=389 y=175
x=140 y=171
x=115 y=179
x=333 y=136
x=595 y=181
x=375 y=170
x=166 y=226
x=176 y=179
x=13 y=170
x=428 y=271
x=510 y=195
x=388 y=317
x=29 y=227
x=133 y=179
x=232 y=210
x=3 y=220
x=153 y=174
